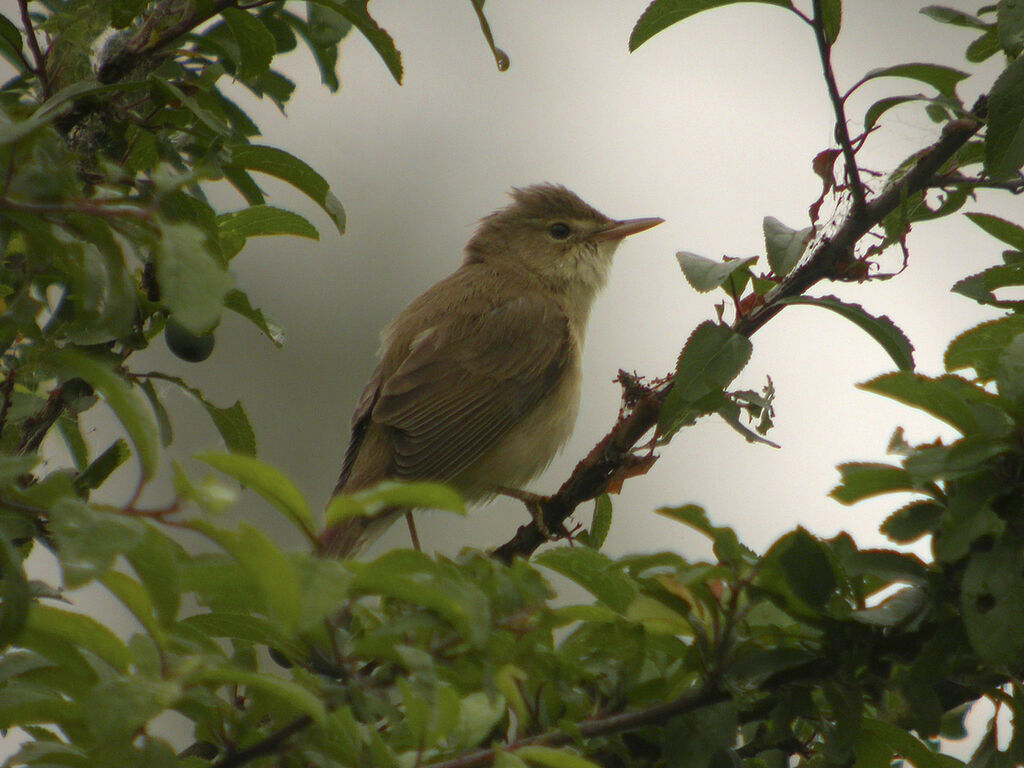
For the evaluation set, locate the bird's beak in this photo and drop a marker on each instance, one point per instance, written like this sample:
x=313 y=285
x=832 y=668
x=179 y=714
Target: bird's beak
x=617 y=230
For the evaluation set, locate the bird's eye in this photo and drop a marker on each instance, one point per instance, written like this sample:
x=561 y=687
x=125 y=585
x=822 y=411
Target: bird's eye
x=559 y=230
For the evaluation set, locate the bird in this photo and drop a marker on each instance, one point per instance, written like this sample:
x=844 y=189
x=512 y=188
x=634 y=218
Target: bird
x=478 y=379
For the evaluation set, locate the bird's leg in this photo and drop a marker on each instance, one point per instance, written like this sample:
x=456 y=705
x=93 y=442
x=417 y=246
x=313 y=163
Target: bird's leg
x=535 y=504
x=412 y=531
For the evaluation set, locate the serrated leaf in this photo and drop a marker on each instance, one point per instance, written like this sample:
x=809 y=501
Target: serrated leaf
x=81 y=631
x=1001 y=229
x=233 y=425
x=256 y=46
x=238 y=303
x=263 y=220
x=662 y=14
x=136 y=418
x=902 y=743
x=355 y=11
x=192 y=284
x=981 y=286
x=983 y=47
x=1004 y=141
x=805 y=566
x=707 y=274
x=860 y=480
x=941 y=78
x=594 y=572
x=881 y=328
x=712 y=357
x=981 y=346
x=1009 y=370
x=909 y=523
x=282 y=165
x=269 y=482
x=949 y=398
x=785 y=246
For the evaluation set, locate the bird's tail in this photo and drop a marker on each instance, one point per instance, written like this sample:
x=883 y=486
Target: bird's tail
x=349 y=537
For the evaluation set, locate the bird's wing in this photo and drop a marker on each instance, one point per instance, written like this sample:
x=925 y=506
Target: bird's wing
x=467 y=381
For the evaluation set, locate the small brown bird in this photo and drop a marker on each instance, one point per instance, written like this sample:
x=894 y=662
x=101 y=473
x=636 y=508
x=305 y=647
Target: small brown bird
x=478 y=382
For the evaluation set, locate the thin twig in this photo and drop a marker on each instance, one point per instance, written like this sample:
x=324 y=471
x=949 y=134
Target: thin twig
x=37 y=53
x=264 y=747
x=842 y=133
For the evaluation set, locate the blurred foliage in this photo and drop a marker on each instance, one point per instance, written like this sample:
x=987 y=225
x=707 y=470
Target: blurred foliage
x=815 y=652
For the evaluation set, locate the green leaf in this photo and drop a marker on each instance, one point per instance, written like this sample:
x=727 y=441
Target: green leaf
x=1010 y=26
x=785 y=246
x=266 y=565
x=602 y=521
x=662 y=14
x=703 y=738
x=326 y=56
x=124 y=12
x=805 y=566
x=355 y=11
x=282 y=165
x=1009 y=370
x=14 y=594
x=991 y=600
x=909 y=523
x=238 y=303
x=860 y=480
x=260 y=220
x=248 y=629
x=81 y=631
x=949 y=398
x=154 y=558
x=232 y=422
x=89 y=539
x=941 y=78
x=712 y=357
x=903 y=744
x=286 y=691
x=831 y=19
x=256 y=46
x=205 y=116
x=706 y=274
x=896 y=609
x=1004 y=142
x=980 y=347
x=269 y=482
x=411 y=495
x=953 y=16
x=1001 y=229
x=883 y=105
x=10 y=44
x=100 y=469
x=596 y=573
x=981 y=286
x=192 y=284
x=134 y=597
x=136 y=418
x=727 y=546
x=881 y=328
x=549 y=757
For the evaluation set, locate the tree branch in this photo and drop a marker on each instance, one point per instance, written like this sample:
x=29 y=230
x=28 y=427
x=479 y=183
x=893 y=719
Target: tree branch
x=704 y=696
x=591 y=476
x=264 y=747
x=145 y=41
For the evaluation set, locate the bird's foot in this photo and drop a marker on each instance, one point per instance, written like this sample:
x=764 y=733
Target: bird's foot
x=534 y=503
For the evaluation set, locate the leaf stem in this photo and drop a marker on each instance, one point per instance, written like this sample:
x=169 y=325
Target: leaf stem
x=37 y=53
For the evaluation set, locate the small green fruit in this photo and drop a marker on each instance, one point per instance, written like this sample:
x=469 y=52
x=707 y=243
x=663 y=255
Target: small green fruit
x=187 y=345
